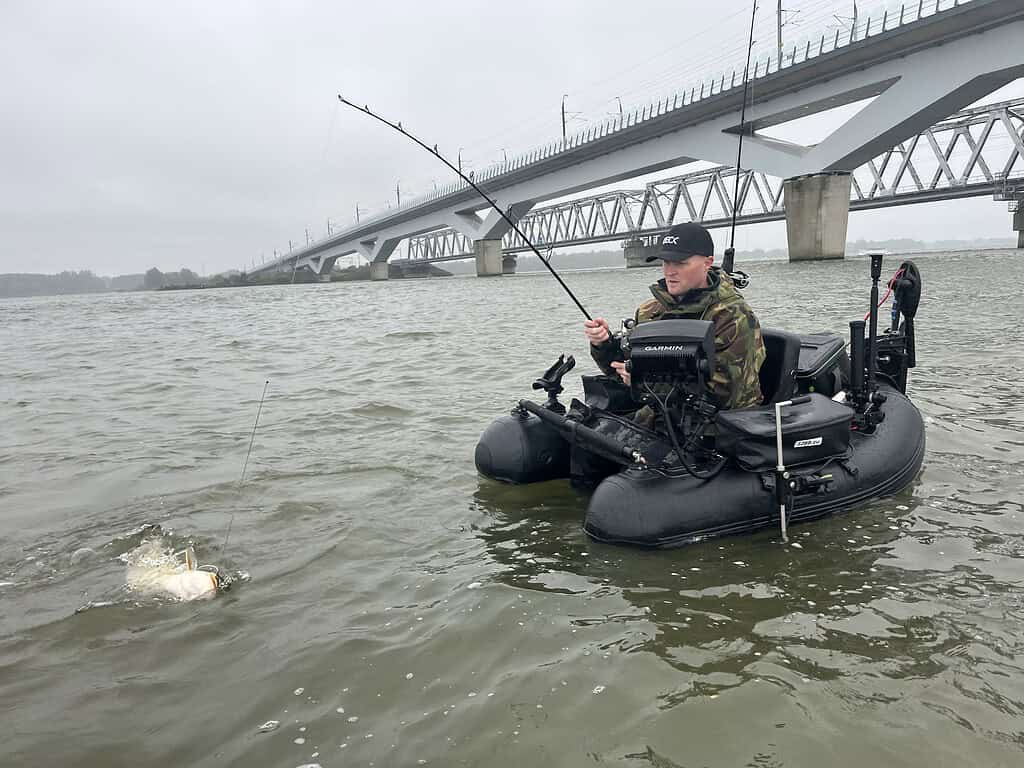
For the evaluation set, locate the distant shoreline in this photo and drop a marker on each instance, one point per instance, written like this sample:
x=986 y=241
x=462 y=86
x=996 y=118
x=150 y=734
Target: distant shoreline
x=362 y=273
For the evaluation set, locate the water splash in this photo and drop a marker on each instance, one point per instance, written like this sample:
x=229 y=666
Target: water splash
x=155 y=568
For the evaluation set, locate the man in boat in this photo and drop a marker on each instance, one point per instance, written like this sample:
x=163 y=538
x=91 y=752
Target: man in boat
x=692 y=288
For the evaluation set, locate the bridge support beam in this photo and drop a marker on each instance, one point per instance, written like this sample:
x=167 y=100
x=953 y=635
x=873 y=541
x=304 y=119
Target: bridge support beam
x=378 y=270
x=817 y=212
x=636 y=253
x=508 y=264
x=1018 y=223
x=488 y=257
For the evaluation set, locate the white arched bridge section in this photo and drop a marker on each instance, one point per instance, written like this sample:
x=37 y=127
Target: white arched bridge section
x=976 y=152
x=918 y=66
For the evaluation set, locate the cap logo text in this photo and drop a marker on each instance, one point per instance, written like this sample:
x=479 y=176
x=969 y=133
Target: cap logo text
x=670 y=240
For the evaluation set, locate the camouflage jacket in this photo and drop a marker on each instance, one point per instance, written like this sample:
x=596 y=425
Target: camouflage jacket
x=739 y=349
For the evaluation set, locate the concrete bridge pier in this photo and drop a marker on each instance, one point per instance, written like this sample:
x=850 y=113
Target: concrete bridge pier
x=489 y=258
x=326 y=268
x=636 y=253
x=1018 y=223
x=508 y=264
x=378 y=270
x=817 y=212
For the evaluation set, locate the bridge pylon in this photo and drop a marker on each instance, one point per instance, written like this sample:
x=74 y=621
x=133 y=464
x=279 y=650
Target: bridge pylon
x=1012 y=192
x=636 y=251
x=817 y=214
x=489 y=258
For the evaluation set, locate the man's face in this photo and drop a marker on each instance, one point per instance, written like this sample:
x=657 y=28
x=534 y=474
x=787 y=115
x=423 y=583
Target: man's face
x=683 y=276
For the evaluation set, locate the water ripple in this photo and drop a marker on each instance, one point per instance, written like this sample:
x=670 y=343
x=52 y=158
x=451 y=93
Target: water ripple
x=402 y=610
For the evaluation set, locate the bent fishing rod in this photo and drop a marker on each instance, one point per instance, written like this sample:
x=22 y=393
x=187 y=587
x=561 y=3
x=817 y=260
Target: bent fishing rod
x=730 y=252
x=434 y=151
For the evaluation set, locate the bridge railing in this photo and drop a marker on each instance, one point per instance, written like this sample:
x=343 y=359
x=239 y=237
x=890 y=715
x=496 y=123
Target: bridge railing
x=831 y=37
x=868 y=23
x=974 y=152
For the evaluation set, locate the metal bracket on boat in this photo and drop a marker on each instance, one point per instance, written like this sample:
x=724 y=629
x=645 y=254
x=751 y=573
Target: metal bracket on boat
x=801 y=484
x=783 y=482
x=798 y=485
x=625 y=328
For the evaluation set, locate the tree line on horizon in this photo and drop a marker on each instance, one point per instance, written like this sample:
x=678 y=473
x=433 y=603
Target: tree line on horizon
x=67 y=282
x=85 y=281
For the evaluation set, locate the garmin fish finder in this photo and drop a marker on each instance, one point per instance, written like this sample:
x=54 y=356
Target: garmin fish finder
x=667 y=354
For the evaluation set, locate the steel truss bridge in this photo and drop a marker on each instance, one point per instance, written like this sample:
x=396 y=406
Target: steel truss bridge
x=975 y=152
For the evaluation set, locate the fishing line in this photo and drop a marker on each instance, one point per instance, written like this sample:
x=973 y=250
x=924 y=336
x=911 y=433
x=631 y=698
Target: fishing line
x=241 y=479
x=398 y=127
x=730 y=252
x=328 y=141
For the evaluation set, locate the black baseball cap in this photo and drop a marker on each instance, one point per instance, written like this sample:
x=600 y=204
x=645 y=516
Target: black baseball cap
x=683 y=241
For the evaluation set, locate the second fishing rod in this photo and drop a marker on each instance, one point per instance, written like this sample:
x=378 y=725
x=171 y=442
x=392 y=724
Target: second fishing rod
x=515 y=227
x=740 y=277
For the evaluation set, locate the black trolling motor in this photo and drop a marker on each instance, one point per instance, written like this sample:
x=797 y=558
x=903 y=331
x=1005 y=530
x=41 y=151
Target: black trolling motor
x=890 y=355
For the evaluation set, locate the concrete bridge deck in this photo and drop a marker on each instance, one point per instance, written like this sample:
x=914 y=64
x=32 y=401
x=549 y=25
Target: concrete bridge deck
x=918 y=68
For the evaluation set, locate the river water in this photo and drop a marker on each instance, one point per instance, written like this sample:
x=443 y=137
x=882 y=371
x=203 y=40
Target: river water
x=394 y=609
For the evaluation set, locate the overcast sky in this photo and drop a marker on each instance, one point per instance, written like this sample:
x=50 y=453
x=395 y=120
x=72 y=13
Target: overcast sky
x=207 y=134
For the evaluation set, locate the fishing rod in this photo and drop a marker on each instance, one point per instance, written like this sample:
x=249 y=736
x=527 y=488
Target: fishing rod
x=730 y=252
x=434 y=151
x=248 y=453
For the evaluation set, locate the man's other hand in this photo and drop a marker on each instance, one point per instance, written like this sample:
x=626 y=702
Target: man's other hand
x=620 y=368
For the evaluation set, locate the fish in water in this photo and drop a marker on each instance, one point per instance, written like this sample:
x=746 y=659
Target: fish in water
x=155 y=569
